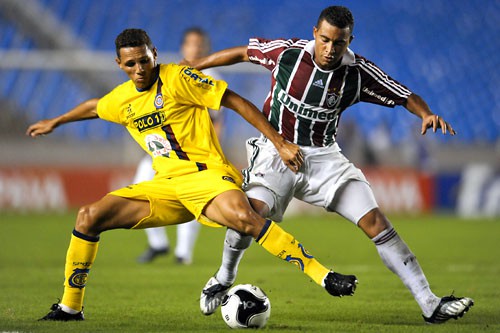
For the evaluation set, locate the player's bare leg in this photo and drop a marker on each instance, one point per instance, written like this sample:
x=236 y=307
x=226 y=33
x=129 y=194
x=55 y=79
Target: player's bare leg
x=235 y=244
x=233 y=210
x=111 y=212
x=396 y=255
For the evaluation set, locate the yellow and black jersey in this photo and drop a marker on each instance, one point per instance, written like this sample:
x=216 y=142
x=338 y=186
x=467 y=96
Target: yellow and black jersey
x=170 y=120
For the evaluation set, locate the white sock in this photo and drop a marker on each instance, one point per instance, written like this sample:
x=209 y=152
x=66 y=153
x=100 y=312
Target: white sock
x=67 y=309
x=157 y=238
x=400 y=260
x=235 y=245
x=186 y=238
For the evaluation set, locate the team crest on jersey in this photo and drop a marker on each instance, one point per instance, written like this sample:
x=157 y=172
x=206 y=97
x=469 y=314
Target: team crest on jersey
x=331 y=99
x=159 y=101
x=79 y=278
x=158 y=146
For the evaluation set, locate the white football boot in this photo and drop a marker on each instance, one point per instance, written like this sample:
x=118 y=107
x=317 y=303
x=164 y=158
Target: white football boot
x=212 y=295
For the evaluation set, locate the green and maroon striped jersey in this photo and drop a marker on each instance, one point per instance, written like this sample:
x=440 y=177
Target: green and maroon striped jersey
x=305 y=102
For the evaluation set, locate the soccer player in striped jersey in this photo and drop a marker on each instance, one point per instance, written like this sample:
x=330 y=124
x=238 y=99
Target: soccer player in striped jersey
x=164 y=107
x=312 y=83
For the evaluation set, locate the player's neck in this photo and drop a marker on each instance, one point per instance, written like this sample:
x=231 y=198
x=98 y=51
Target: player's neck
x=155 y=76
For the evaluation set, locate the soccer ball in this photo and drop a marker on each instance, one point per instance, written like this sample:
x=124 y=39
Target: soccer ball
x=245 y=306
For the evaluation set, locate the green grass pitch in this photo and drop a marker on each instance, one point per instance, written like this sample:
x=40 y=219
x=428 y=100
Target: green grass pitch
x=123 y=296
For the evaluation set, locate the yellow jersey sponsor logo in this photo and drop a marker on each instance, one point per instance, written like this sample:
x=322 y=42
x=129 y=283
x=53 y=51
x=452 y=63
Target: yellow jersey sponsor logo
x=151 y=120
x=199 y=81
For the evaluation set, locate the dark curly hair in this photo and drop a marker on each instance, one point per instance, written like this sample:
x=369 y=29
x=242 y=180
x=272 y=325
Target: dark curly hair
x=131 y=38
x=338 y=16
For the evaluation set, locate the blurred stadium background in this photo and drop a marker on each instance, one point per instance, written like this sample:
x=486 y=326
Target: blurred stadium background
x=55 y=54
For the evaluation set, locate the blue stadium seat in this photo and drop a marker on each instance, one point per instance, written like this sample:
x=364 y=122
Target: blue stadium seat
x=7 y=82
x=448 y=59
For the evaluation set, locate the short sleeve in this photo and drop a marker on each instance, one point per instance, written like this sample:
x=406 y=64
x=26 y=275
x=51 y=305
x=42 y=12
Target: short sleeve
x=379 y=88
x=266 y=52
x=106 y=109
x=191 y=86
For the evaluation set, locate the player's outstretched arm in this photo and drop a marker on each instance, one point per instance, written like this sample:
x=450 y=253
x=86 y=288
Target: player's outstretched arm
x=224 y=57
x=416 y=105
x=86 y=110
x=290 y=153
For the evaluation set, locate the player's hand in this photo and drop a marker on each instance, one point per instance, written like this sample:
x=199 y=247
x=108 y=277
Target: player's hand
x=434 y=121
x=292 y=156
x=42 y=127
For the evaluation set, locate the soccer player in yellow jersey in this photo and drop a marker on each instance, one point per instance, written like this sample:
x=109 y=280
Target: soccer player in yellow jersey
x=164 y=108
x=195 y=44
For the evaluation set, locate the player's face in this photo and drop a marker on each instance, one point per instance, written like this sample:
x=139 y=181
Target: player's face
x=139 y=63
x=194 y=46
x=330 y=44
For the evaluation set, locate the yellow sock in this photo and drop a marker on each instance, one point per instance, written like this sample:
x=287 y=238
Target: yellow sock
x=79 y=259
x=283 y=245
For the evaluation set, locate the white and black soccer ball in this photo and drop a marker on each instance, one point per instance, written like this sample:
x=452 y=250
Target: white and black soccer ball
x=246 y=306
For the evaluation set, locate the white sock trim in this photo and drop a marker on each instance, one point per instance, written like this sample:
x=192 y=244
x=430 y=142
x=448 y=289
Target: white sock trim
x=67 y=309
x=384 y=236
x=324 y=277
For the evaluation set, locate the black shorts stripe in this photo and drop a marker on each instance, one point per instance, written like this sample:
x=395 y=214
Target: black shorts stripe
x=255 y=153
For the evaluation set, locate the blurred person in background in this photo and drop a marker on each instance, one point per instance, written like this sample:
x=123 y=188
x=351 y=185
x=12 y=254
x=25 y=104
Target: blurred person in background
x=313 y=82
x=195 y=44
x=164 y=107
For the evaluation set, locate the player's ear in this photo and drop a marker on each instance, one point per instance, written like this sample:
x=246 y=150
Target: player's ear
x=315 y=30
x=118 y=59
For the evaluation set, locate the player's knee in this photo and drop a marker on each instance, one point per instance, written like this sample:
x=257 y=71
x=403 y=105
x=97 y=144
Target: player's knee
x=87 y=220
x=260 y=207
x=374 y=222
x=248 y=222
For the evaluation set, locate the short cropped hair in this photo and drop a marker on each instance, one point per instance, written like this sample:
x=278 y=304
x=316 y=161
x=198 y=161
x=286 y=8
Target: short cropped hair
x=338 y=16
x=131 y=38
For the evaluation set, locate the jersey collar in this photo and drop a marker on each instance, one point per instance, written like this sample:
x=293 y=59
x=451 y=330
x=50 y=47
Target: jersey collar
x=157 y=75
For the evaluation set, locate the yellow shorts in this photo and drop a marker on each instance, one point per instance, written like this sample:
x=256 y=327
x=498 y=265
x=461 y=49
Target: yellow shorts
x=180 y=199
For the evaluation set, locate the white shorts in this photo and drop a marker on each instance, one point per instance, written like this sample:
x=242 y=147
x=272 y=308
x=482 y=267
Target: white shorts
x=326 y=179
